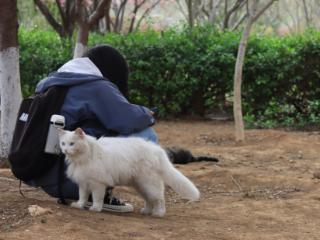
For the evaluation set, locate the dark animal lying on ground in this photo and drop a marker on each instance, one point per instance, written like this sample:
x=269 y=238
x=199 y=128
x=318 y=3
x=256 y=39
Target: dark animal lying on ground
x=179 y=155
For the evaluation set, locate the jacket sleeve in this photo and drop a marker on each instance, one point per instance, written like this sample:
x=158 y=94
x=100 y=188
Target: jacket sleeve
x=115 y=112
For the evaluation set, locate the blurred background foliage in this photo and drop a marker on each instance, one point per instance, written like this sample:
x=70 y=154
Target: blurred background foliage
x=190 y=72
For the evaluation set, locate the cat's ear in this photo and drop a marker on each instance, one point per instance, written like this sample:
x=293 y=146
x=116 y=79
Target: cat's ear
x=80 y=132
x=61 y=132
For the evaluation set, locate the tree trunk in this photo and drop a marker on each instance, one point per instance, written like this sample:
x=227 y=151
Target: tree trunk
x=107 y=17
x=82 y=40
x=254 y=14
x=306 y=13
x=119 y=15
x=190 y=13
x=237 y=103
x=9 y=73
x=86 y=23
x=133 y=19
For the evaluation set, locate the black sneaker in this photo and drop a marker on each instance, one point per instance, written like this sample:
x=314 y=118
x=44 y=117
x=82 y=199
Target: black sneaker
x=113 y=204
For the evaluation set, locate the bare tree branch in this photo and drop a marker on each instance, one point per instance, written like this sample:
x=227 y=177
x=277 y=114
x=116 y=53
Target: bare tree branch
x=146 y=13
x=137 y=5
x=119 y=12
x=306 y=13
x=49 y=17
x=205 y=11
x=61 y=12
x=80 y=12
x=214 y=9
x=228 y=12
x=259 y=13
x=239 y=22
x=190 y=13
x=184 y=13
x=109 y=22
x=98 y=13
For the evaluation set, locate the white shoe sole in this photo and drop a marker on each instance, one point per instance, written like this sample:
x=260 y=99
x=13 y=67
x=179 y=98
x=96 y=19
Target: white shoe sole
x=126 y=208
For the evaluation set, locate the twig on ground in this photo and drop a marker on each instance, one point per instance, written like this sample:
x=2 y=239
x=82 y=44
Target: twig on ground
x=237 y=183
x=286 y=191
x=227 y=193
x=259 y=192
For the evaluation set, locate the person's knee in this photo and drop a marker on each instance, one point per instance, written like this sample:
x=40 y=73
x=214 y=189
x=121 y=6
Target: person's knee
x=69 y=190
x=148 y=134
x=52 y=191
x=153 y=135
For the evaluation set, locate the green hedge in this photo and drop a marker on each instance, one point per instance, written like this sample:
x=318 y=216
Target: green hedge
x=40 y=53
x=282 y=80
x=183 y=72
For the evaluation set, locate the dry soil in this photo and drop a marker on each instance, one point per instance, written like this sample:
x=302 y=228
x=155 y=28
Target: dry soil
x=263 y=188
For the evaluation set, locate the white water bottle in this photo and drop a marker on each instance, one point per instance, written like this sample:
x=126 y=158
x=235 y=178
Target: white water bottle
x=52 y=144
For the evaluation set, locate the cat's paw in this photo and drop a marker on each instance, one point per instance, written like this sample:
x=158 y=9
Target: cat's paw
x=77 y=205
x=158 y=213
x=95 y=209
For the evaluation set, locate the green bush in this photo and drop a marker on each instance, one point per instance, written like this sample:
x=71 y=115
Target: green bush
x=281 y=80
x=181 y=72
x=41 y=52
x=191 y=72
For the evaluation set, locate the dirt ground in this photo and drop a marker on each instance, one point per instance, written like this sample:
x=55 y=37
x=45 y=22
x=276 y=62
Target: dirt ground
x=263 y=188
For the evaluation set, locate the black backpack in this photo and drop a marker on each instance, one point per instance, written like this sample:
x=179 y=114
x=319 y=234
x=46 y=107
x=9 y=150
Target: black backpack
x=27 y=157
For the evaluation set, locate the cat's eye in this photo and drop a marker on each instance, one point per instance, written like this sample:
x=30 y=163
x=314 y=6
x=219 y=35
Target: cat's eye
x=63 y=144
x=71 y=144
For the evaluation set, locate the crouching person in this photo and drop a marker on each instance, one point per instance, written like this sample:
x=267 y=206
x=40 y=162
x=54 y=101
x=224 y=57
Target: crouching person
x=96 y=101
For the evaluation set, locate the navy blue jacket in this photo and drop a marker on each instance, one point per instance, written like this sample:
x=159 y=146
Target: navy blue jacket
x=98 y=105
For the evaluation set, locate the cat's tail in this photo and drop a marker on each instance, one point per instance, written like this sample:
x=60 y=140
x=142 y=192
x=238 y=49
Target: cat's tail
x=177 y=181
x=206 y=158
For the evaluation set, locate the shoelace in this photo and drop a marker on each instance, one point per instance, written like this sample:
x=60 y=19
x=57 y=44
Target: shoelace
x=115 y=201
x=112 y=200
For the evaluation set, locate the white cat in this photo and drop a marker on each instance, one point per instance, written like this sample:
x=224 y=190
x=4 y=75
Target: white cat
x=95 y=164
